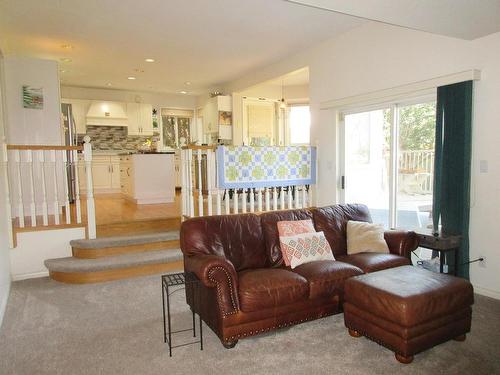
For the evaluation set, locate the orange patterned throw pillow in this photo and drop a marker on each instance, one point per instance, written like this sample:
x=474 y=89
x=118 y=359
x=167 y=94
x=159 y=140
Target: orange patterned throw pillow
x=306 y=247
x=292 y=228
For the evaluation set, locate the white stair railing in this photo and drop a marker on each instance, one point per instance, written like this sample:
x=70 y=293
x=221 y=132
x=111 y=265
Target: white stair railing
x=37 y=183
x=199 y=176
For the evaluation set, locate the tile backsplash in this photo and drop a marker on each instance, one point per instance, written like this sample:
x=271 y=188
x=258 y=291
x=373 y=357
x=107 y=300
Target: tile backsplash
x=105 y=138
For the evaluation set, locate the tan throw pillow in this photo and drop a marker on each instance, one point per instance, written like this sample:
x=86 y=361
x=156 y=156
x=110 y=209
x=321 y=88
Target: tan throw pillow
x=365 y=237
x=306 y=247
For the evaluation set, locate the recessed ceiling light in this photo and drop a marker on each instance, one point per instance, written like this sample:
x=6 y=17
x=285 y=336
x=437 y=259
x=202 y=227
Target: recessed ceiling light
x=131 y=78
x=66 y=46
x=187 y=83
x=137 y=70
x=66 y=59
x=149 y=60
x=63 y=71
x=183 y=92
x=109 y=84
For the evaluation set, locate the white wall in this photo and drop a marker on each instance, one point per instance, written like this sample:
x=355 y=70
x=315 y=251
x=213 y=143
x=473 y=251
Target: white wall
x=157 y=100
x=377 y=56
x=33 y=248
x=4 y=250
x=32 y=126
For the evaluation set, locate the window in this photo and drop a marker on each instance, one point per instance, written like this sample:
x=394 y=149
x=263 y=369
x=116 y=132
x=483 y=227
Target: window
x=300 y=124
x=388 y=162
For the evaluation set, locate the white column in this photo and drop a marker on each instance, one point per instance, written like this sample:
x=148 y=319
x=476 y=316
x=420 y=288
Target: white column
x=67 y=208
x=275 y=199
x=200 y=184
x=53 y=159
x=252 y=201
x=259 y=200
x=268 y=205
x=20 y=203
x=77 y=188
x=235 y=202
x=87 y=155
x=8 y=207
x=29 y=160
x=227 y=203
x=210 y=172
x=45 y=211
x=244 y=201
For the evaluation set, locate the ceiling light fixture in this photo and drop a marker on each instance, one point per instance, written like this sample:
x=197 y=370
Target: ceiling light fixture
x=66 y=59
x=137 y=70
x=109 y=84
x=187 y=83
x=149 y=60
x=131 y=78
x=63 y=71
x=183 y=92
x=66 y=46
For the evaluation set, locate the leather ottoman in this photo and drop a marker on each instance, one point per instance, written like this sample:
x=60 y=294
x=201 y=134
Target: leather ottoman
x=408 y=309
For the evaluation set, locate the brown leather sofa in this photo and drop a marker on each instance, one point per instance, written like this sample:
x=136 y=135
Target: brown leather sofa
x=244 y=287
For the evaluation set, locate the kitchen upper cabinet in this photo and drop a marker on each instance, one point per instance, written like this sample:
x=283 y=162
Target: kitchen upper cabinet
x=217 y=116
x=79 y=108
x=140 y=119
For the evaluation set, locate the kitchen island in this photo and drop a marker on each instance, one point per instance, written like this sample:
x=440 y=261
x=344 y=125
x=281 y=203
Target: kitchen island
x=148 y=178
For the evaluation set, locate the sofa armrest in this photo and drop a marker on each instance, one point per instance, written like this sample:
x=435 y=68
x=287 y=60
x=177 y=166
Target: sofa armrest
x=401 y=242
x=216 y=272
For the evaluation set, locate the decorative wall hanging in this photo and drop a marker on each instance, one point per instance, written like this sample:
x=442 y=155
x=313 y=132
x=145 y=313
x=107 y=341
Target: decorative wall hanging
x=32 y=97
x=242 y=167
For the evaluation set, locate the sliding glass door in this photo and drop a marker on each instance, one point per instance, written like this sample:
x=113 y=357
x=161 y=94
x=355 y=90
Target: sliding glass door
x=388 y=160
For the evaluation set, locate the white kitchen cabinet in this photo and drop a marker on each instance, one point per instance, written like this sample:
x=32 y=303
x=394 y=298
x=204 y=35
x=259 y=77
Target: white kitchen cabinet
x=212 y=120
x=79 y=108
x=140 y=119
x=148 y=178
x=105 y=174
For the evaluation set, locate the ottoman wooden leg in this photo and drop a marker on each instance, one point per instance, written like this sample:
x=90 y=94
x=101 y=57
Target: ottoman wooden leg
x=403 y=359
x=354 y=333
x=460 y=338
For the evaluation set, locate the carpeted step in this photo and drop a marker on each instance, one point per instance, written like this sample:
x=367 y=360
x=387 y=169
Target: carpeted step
x=75 y=270
x=125 y=240
x=112 y=246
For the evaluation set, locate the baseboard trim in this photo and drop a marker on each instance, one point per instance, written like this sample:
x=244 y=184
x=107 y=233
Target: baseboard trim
x=486 y=292
x=26 y=276
x=3 y=305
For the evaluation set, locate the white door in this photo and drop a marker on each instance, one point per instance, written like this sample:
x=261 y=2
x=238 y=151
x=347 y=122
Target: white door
x=388 y=162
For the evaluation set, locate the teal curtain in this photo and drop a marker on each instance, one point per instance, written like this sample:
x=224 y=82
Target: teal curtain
x=453 y=165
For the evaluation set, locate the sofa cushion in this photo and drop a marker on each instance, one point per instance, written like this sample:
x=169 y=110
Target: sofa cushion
x=326 y=277
x=238 y=238
x=293 y=228
x=333 y=220
x=270 y=287
x=305 y=248
x=365 y=237
x=371 y=262
x=269 y=222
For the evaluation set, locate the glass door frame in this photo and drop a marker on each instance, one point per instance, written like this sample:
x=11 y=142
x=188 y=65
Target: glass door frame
x=393 y=107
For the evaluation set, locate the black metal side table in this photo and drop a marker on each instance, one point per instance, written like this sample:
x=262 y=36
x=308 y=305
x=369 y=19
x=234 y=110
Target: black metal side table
x=443 y=244
x=178 y=281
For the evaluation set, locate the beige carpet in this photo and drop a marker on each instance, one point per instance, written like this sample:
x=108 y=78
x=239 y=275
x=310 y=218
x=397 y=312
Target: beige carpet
x=116 y=328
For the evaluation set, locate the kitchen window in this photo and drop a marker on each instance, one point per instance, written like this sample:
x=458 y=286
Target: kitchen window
x=176 y=127
x=299 y=120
